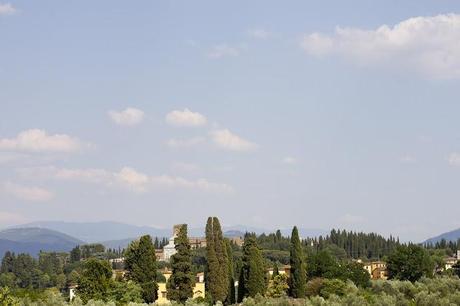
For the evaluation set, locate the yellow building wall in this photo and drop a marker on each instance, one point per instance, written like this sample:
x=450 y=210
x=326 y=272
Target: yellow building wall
x=198 y=291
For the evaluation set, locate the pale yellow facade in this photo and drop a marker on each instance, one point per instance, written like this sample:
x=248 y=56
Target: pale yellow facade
x=377 y=269
x=198 y=290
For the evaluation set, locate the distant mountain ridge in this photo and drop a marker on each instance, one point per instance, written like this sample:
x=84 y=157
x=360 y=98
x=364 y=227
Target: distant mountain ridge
x=33 y=240
x=448 y=236
x=111 y=232
x=92 y=232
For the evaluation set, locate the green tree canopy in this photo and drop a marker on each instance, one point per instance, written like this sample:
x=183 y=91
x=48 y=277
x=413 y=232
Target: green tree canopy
x=297 y=280
x=409 y=262
x=252 y=276
x=95 y=280
x=140 y=262
x=217 y=261
x=231 y=296
x=181 y=282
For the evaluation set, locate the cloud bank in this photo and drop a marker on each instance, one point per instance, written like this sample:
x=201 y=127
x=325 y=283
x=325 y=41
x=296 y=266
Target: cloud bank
x=36 y=140
x=429 y=45
x=127 y=178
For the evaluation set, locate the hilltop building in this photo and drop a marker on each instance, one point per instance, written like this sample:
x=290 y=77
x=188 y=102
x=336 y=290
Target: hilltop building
x=169 y=250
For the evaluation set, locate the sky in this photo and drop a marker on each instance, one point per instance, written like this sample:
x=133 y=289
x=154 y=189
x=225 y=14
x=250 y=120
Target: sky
x=320 y=114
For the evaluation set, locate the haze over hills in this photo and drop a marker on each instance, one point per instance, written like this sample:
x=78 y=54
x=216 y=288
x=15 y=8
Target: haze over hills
x=110 y=231
x=99 y=231
x=63 y=236
x=448 y=236
x=33 y=240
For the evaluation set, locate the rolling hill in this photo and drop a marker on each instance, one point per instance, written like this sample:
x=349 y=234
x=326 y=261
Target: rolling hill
x=32 y=240
x=99 y=231
x=113 y=234
x=448 y=236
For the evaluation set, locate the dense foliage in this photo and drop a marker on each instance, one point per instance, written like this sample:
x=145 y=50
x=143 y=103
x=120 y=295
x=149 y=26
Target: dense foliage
x=409 y=262
x=180 y=284
x=356 y=245
x=297 y=262
x=252 y=276
x=217 y=261
x=140 y=263
x=442 y=291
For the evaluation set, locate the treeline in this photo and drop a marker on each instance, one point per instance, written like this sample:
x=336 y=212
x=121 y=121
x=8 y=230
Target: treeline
x=450 y=246
x=24 y=271
x=356 y=245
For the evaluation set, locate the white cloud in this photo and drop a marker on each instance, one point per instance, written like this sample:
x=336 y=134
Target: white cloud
x=36 y=140
x=185 y=118
x=425 y=44
x=259 y=33
x=34 y=194
x=7 y=9
x=128 y=117
x=127 y=178
x=229 y=141
x=133 y=179
x=454 y=159
x=223 y=50
x=185 y=143
x=289 y=160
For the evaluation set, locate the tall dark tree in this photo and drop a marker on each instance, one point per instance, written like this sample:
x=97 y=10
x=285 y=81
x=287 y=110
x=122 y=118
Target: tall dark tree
x=297 y=280
x=75 y=254
x=140 y=262
x=231 y=295
x=252 y=275
x=7 y=262
x=217 y=261
x=181 y=282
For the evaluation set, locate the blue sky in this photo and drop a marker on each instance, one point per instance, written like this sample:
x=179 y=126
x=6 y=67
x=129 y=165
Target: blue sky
x=266 y=113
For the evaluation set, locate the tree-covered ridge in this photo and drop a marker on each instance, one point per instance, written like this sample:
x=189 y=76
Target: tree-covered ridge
x=356 y=245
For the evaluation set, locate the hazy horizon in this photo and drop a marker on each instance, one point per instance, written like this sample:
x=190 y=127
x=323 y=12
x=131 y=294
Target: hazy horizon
x=267 y=114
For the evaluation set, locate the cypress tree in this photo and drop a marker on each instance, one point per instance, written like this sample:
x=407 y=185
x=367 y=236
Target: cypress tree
x=140 y=262
x=252 y=278
x=231 y=274
x=180 y=284
x=212 y=266
x=297 y=280
x=217 y=261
